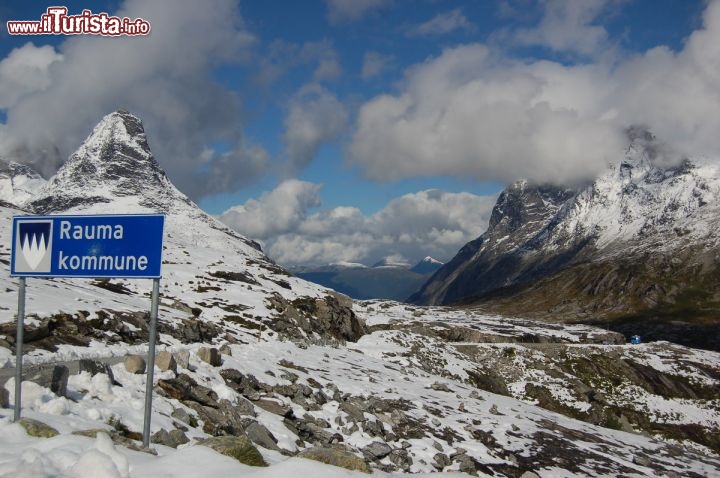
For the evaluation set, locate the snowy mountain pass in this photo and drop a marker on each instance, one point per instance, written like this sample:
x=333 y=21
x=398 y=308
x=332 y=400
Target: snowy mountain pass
x=270 y=369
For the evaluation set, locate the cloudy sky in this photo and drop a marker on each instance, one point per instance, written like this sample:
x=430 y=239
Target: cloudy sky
x=351 y=130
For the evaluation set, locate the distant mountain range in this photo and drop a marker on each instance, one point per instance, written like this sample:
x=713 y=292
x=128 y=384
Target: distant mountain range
x=638 y=243
x=386 y=279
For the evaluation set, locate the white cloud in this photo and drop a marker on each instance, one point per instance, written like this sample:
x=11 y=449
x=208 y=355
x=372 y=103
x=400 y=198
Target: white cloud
x=412 y=226
x=340 y=11
x=567 y=26
x=276 y=212
x=24 y=71
x=165 y=78
x=314 y=117
x=470 y=112
x=442 y=24
x=374 y=63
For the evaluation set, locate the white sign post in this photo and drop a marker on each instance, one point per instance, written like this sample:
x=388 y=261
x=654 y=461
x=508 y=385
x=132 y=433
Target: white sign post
x=19 y=346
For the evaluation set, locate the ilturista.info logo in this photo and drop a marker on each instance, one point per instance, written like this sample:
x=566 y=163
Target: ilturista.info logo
x=57 y=22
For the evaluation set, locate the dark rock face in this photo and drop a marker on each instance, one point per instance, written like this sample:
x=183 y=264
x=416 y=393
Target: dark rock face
x=55 y=378
x=331 y=317
x=4 y=398
x=497 y=258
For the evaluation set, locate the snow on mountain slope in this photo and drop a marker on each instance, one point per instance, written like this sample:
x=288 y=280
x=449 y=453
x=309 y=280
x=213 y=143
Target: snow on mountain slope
x=18 y=182
x=402 y=389
x=636 y=200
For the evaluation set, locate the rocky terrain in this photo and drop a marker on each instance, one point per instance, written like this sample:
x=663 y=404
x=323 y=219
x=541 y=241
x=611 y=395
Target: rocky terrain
x=633 y=251
x=268 y=369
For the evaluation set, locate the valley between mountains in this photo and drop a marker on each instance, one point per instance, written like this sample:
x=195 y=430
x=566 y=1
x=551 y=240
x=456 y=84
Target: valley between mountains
x=264 y=374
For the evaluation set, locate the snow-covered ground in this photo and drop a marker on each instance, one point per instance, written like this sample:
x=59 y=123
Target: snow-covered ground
x=358 y=370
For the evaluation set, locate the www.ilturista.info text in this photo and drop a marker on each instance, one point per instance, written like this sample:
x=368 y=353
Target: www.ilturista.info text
x=57 y=22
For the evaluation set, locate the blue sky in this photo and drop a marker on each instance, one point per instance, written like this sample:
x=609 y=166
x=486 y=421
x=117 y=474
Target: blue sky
x=326 y=117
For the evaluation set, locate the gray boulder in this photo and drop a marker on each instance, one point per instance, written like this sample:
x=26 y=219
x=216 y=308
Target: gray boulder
x=353 y=410
x=60 y=375
x=172 y=439
x=401 y=459
x=377 y=450
x=244 y=407
x=94 y=367
x=184 y=388
x=54 y=378
x=165 y=361
x=210 y=355
x=441 y=461
x=135 y=364
x=260 y=435
x=182 y=358
x=182 y=415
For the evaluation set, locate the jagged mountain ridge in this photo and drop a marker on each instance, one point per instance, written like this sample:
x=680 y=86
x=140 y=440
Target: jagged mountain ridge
x=636 y=239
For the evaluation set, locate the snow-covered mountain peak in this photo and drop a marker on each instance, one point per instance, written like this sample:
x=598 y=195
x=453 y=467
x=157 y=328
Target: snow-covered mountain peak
x=114 y=172
x=431 y=260
x=637 y=198
x=427 y=265
x=116 y=148
x=114 y=162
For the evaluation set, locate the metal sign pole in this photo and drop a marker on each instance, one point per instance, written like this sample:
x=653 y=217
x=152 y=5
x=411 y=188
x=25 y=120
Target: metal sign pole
x=19 y=347
x=151 y=362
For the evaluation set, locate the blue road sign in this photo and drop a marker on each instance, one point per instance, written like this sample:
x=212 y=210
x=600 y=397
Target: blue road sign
x=87 y=246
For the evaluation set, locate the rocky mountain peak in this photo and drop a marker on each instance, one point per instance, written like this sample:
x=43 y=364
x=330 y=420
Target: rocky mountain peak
x=116 y=150
x=522 y=207
x=114 y=161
